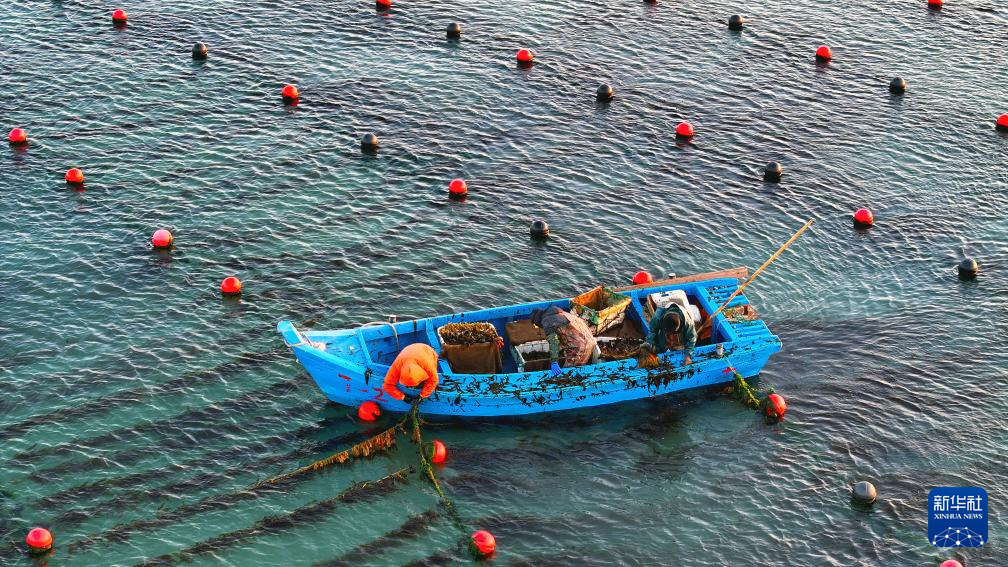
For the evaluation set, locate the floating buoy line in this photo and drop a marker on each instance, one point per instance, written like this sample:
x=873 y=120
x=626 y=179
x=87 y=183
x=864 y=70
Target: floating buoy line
x=481 y=543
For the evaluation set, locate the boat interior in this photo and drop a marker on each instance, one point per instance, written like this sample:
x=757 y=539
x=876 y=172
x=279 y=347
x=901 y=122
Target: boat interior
x=383 y=341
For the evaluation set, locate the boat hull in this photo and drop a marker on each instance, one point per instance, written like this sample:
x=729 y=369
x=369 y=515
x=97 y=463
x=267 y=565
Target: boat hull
x=349 y=386
x=342 y=366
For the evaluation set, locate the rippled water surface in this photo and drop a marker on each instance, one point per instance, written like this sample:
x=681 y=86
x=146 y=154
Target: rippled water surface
x=127 y=386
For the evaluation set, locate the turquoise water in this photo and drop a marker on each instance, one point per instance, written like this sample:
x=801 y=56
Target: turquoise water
x=128 y=386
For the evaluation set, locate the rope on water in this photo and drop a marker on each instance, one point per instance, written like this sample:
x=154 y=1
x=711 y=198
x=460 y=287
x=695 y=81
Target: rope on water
x=314 y=512
x=744 y=392
x=428 y=471
x=381 y=442
x=378 y=443
x=751 y=398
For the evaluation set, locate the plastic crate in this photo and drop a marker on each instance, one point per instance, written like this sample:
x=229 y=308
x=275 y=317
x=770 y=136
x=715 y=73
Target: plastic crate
x=601 y=308
x=542 y=347
x=602 y=340
x=521 y=350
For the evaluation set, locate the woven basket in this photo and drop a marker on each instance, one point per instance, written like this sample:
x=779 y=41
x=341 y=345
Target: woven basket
x=601 y=308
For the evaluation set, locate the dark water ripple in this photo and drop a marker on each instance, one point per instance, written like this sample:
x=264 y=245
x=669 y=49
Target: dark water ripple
x=128 y=386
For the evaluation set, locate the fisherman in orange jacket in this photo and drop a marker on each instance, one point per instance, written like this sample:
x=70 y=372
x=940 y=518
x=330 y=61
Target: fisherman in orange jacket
x=415 y=364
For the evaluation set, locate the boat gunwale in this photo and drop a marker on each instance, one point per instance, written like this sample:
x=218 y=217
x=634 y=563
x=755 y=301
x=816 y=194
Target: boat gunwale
x=535 y=378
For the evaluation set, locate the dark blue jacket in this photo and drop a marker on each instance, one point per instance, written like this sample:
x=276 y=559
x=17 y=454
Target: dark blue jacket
x=655 y=335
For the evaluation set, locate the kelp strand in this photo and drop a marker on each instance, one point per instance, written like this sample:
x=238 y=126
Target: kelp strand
x=139 y=494
x=192 y=418
x=357 y=492
x=744 y=392
x=412 y=528
x=366 y=448
x=428 y=471
x=91 y=407
x=414 y=418
x=123 y=531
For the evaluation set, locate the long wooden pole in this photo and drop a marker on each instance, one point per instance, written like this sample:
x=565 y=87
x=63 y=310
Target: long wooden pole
x=757 y=272
x=739 y=273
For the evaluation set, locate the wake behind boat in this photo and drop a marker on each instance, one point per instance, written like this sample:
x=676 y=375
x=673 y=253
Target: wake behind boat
x=349 y=365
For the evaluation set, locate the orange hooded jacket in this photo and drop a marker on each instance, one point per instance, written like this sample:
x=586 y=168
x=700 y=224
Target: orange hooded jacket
x=415 y=364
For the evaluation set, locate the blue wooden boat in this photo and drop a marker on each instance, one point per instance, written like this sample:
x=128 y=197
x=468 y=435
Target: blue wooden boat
x=349 y=365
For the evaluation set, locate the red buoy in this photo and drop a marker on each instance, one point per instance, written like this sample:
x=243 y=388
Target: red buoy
x=824 y=53
x=231 y=286
x=119 y=17
x=864 y=218
x=775 y=406
x=74 y=176
x=525 y=56
x=440 y=452
x=951 y=563
x=290 y=93
x=457 y=188
x=482 y=543
x=935 y=4
x=684 y=130
x=162 y=239
x=1002 y=122
x=39 y=540
x=368 y=411
x=383 y=4
x=18 y=136
x=642 y=277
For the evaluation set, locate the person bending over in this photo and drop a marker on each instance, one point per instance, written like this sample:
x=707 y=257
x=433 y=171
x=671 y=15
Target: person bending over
x=671 y=328
x=415 y=365
x=568 y=335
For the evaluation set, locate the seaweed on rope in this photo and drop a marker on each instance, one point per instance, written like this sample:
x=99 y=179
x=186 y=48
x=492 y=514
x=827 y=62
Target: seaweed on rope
x=381 y=442
x=744 y=392
x=412 y=528
x=357 y=492
x=748 y=395
x=373 y=445
x=427 y=469
x=122 y=500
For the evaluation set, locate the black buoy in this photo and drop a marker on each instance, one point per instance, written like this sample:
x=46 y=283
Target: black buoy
x=864 y=493
x=772 y=172
x=539 y=230
x=968 y=269
x=454 y=30
x=369 y=143
x=199 y=51
x=897 y=85
x=736 y=22
x=604 y=93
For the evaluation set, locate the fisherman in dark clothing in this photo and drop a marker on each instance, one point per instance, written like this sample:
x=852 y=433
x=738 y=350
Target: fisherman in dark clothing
x=671 y=328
